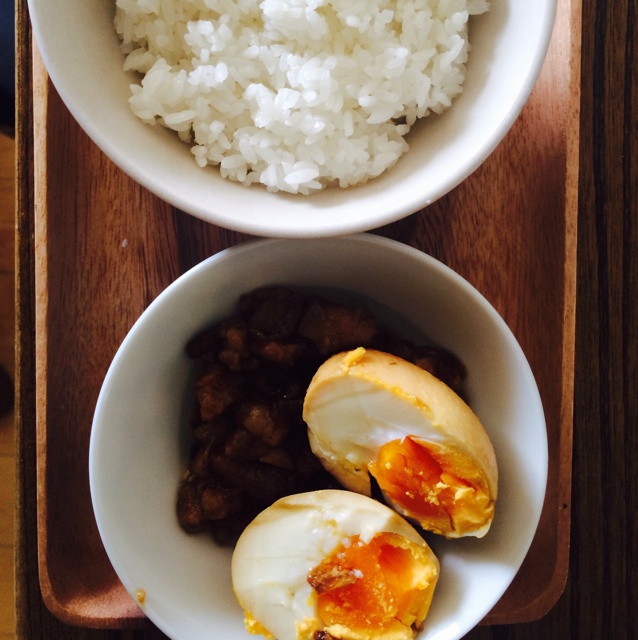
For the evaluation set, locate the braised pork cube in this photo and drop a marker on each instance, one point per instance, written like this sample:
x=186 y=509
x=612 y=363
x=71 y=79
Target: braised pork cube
x=189 y=507
x=207 y=437
x=234 y=351
x=219 y=503
x=216 y=389
x=199 y=463
x=226 y=532
x=442 y=364
x=272 y=382
x=279 y=457
x=283 y=353
x=262 y=421
x=257 y=480
x=241 y=444
x=211 y=433
x=273 y=311
x=199 y=501
x=333 y=328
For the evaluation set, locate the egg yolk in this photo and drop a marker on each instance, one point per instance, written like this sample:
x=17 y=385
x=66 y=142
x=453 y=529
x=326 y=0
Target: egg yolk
x=428 y=485
x=375 y=588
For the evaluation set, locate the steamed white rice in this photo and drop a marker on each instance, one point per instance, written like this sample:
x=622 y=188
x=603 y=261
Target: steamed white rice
x=295 y=94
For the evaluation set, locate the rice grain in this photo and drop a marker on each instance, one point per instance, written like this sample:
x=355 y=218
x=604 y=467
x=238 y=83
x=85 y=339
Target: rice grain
x=295 y=95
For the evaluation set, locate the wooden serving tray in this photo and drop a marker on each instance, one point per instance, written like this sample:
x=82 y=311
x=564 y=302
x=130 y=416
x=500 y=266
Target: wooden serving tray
x=105 y=248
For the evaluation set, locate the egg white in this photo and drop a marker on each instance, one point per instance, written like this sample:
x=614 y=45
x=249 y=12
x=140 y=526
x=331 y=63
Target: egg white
x=276 y=551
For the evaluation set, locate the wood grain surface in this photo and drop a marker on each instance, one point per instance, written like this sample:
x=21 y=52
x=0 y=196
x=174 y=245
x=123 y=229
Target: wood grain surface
x=62 y=304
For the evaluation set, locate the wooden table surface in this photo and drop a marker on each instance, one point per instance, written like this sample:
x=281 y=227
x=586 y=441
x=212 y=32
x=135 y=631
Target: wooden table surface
x=601 y=594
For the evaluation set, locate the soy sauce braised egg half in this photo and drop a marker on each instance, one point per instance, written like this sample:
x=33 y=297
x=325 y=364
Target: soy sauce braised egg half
x=373 y=414
x=333 y=562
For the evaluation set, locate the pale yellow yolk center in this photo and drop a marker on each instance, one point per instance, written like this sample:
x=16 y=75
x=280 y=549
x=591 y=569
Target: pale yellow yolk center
x=431 y=486
x=368 y=588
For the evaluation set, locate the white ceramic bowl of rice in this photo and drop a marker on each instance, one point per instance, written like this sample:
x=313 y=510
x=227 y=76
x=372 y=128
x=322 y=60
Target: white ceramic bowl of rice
x=295 y=118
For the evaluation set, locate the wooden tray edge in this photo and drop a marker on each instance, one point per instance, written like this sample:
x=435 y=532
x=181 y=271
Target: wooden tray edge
x=572 y=13
x=539 y=607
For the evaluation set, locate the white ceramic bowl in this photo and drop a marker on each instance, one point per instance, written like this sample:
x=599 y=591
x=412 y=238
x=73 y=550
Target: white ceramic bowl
x=138 y=450
x=81 y=52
